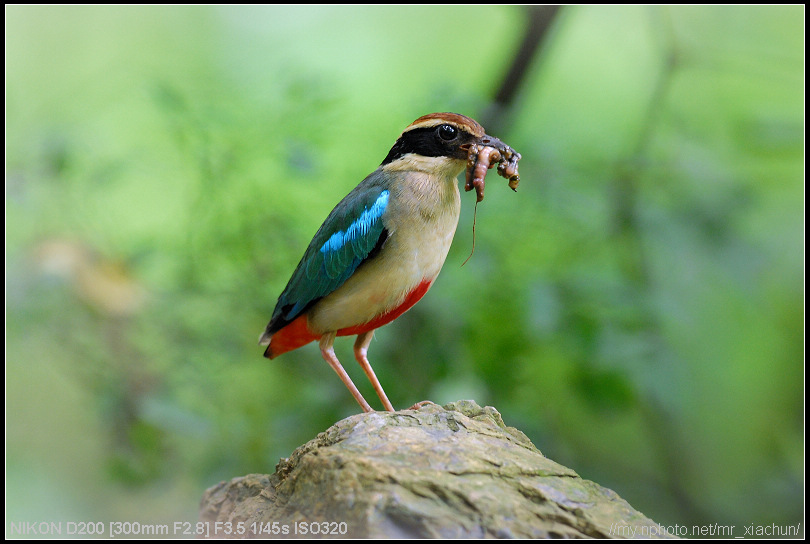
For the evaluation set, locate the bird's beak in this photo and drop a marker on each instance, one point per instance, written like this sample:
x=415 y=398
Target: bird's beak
x=484 y=154
x=491 y=141
x=506 y=151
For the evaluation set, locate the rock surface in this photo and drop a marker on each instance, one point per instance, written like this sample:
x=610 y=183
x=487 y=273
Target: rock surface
x=438 y=472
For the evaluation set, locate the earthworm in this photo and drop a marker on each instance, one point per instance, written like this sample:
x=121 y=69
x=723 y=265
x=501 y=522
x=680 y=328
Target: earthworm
x=479 y=160
x=482 y=158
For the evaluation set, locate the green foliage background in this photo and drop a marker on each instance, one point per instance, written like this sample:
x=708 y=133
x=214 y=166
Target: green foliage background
x=637 y=308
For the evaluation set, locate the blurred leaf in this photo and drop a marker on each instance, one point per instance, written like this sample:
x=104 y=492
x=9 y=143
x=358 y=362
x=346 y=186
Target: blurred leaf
x=605 y=392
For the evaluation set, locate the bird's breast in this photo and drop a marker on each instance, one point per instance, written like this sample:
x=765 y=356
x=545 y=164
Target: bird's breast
x=421 y=219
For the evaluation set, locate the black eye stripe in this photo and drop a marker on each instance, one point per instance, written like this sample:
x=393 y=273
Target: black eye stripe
x=428 y=142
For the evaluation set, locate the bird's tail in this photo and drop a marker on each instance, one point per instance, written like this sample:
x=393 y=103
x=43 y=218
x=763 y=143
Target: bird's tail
x=292 y=336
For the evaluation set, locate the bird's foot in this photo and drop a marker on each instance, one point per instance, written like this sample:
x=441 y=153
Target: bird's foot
x=420 y=404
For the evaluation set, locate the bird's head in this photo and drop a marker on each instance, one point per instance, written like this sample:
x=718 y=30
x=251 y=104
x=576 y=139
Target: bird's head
x=437 y=142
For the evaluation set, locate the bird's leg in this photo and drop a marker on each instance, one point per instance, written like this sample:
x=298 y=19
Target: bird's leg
x=328 y=352
x=360 y=350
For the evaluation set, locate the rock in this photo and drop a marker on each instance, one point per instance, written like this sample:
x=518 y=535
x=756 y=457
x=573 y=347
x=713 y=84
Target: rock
x=438 y=472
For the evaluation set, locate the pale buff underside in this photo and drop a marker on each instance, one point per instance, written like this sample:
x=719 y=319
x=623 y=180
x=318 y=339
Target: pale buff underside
x=421 y=219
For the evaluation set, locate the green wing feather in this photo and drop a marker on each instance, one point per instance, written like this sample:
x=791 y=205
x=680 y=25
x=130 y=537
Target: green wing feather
x=352 y=234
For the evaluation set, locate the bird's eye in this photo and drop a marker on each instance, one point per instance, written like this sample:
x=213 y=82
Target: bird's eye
x=447 y=132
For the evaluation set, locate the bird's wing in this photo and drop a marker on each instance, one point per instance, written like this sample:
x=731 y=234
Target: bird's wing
x=353 y=233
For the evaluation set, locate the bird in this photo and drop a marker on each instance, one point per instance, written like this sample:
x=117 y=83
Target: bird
x=380 y=249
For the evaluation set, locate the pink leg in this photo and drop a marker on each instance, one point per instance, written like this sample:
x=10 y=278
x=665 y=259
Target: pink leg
x=360 y=351
x=329 y=356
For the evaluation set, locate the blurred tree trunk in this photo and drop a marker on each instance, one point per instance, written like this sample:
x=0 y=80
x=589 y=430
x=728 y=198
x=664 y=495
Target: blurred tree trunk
x=540 y=19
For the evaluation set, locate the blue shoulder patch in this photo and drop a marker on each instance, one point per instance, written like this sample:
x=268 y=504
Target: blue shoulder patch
x=359 y=228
